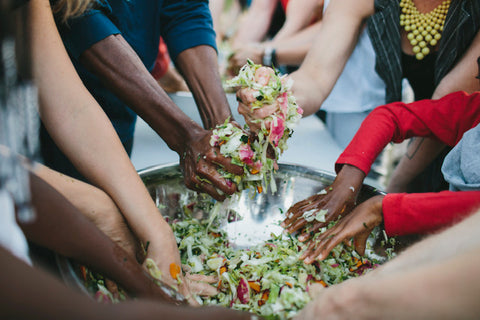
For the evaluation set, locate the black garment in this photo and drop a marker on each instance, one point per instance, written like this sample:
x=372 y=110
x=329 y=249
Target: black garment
x=461 y=25
x=420 y=74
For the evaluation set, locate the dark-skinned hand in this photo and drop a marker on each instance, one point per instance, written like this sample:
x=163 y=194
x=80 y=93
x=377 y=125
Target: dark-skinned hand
x=338 y=199
x=357 y=225
x=200 y=164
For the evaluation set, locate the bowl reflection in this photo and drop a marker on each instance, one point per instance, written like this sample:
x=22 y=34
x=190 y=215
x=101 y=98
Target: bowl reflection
x=249 y=217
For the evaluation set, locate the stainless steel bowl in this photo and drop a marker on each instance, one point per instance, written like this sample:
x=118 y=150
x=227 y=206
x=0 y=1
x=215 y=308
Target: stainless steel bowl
x=250 y=219
x=253 y=216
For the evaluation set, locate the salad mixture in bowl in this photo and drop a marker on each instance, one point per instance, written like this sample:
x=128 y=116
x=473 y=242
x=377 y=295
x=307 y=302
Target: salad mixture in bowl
x=240 y=244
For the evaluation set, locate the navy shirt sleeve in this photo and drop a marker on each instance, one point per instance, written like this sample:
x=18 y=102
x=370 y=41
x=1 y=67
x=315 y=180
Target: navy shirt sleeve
x=83 y=32
x=186 y=24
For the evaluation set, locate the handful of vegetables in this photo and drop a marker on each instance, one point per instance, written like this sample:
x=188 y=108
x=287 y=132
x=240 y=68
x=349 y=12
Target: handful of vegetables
x=259 y=151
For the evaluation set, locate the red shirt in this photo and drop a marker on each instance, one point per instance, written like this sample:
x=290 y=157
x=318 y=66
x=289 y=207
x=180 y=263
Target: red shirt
x=162 y=62
x=446 y=119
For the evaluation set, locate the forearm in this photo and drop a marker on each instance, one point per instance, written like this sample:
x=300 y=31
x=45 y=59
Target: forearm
x=258 y=18
x=396 y=122
x=122 y=71
x=292 y=50
x=420 y=153
x=199 y=67
x=331 y=49
x=436 y=248
x=60 y=227
x=29 y=293
x=463 y=75
x=299 y=14
x=81 y=129
x=444 y=289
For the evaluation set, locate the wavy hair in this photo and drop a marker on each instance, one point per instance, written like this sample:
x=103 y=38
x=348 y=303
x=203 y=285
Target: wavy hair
x=66 y=9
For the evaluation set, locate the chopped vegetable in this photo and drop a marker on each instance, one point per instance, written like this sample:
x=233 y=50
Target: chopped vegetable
x=235 y=143
x=174 y=270
x=267 y=279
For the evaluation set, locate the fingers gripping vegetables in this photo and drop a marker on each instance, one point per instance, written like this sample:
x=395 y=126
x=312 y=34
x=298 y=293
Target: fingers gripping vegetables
x=254 y=153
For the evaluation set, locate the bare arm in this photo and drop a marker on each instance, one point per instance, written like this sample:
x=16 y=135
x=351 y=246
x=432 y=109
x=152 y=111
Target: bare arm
x=422 y=292
x=293 y=49
x=96 y=205
x=341 y=25
x=83 y=132
x=299 y=14
x=60 y=227
x=258 y=17
x=463 y=75
x=290 y=50
x=29 y=293
x=422 y=151
x=199 y=67
x=119 y=67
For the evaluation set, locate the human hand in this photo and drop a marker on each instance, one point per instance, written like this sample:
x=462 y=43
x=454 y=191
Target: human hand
x=333 y=201
x=246 y=98
x=357 y=225
x=341 y=301
x=201 y=284
x=200 y=164
x=252 y=51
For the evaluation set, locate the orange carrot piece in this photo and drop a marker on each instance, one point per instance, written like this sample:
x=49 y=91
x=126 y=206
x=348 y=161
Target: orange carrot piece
x=222 y=270
x=255 y=286
x=264 y=298
x=174 y=270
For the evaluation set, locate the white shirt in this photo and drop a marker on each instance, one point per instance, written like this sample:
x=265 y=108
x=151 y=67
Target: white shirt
x=359 y=88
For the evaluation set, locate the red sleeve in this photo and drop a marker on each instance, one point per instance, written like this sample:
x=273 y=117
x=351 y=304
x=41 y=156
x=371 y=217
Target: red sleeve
x=445 y=119
x=420 y=213
x=162 y=62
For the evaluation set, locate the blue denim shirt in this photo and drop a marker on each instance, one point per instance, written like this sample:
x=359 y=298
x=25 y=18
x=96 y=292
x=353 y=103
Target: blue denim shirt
x=461 y=167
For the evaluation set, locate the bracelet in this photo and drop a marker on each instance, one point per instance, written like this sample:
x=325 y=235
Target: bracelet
x=267 y=56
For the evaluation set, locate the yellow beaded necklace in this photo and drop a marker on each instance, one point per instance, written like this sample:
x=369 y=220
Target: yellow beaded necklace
x=423 y=29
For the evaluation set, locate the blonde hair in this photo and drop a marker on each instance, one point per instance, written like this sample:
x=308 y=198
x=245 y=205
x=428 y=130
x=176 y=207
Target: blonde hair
x=66 y=9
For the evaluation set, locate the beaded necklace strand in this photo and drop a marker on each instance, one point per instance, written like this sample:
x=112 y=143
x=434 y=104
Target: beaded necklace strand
x=423 y=29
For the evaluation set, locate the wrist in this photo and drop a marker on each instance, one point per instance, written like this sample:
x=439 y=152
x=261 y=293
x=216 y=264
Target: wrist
x=269 y=58
x=351 y=174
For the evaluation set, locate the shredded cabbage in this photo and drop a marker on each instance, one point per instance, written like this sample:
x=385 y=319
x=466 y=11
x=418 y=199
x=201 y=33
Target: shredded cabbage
x=237 y=143
x=267 y=279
